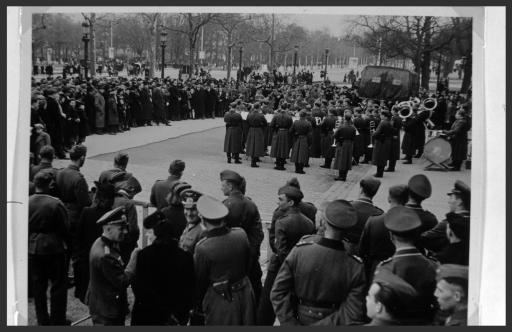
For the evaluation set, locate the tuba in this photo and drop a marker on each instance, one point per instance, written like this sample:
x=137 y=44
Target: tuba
x=404 y=109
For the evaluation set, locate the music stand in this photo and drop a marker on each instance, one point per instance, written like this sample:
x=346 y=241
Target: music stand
x=437 y=151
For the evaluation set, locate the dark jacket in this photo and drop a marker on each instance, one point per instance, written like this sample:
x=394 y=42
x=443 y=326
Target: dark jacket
x=364 y=209
x=160 y=190
x=164 y=285
x=255 y=145
x=233 y=138
x=224 y=256
x=327 y=135
x=458 y=135
x=47 y=225
x=383 y=136
x=106 y=296
x=344 y=137
x=300 y=132
x=280 y=125
x=320 y=284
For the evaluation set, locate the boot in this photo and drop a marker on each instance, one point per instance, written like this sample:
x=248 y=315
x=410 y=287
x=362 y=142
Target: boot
x=408 y=160
x=229 y=158
x=253 y=163
x=391 y=166
x=299 y=169
x=327 y=163
x=237 y=159
x=380 y=172
x=342 y=176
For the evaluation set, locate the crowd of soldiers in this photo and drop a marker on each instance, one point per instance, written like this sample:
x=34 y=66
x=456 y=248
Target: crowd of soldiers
x=326 y=121
x=201 y=266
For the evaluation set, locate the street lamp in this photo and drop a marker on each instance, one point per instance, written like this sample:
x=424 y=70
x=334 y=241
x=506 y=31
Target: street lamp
x=163 y=41
x=85 y=39
x=295 y=63
x=240 y=64
x=325 y=71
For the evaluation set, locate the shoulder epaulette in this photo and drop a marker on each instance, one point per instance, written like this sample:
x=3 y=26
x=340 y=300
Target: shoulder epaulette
x=107 y=250
x=201 y=241
x=357 y=258
x=387 y=260
x=306 y=239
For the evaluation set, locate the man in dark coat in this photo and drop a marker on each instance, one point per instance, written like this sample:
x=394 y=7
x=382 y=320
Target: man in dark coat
x=244 y=213
x=55 y=122
x=74 y=191
x=222 y=260
x=408 y=147
x=437 y=240
x=211 y=100
x=420 y=189
x=162 y=188
x=363 y=139
x=112 y=114
x=174 y=211
x=280 y=125
x=458 y=136
x=88 y=231
x=383 y=136
x=255 y=146
x=300 y=132
x=48 y=239
x=164 y=281
x=319 y=283
x=409 y=263
x=136 y=105
x=327 y=137
x=46 y=155
x=198 y=102
x=344 y=138
x=233 y=139
x=375 y=244
x=120 y=163
x=318 y=115
x=288 y=230
x=365 y=209
x=396 y=122
x=99 y=109
x=159 y=108
x=147 y=104
x=175 y=102
x=106 y=295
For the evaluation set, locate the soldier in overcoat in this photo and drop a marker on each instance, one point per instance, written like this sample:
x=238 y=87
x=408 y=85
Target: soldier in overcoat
x=255 y=146
x=458 y=135
x=222 y=260
x=233 y=138
x=280 y=125
x=319 y=283
x=106 y=295
x=300 y=132
x=383 y=136
x=344 y=137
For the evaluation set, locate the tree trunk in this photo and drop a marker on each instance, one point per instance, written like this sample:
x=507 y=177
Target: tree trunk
x=92 y=46
x=228 y=67
x=425 y=70
x=191 y=50
x=468 y=72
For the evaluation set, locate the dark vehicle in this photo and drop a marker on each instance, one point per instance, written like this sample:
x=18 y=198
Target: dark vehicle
x=389 y=83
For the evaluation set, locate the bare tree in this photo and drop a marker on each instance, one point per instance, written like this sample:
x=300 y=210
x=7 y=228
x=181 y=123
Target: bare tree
x=189 y=24
x=92 y=19
x=229 y=24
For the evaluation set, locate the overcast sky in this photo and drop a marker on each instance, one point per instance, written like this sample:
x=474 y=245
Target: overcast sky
x=337 y=25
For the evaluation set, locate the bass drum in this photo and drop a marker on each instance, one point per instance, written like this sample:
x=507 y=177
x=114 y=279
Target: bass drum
x=437 y=150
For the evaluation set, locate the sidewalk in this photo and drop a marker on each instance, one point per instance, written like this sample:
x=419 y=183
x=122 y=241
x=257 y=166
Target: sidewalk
x=139 y=136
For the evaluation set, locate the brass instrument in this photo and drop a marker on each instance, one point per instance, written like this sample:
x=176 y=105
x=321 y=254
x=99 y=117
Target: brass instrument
x=404 y=109
x=372 y=130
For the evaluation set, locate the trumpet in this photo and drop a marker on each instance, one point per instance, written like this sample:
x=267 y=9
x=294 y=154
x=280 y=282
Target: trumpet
x=372 y=130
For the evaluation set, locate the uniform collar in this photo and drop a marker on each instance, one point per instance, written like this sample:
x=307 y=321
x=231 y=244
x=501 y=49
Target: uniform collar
x=364 y=200
x=407 y=251
x=414 y=206
x=74 y=167
x=218 y=231
x=333 y=244
x=236 y=193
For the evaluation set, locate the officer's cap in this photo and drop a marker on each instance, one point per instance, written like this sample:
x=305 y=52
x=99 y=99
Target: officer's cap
x=370 y=185
x=291 y=192
x=179 y=186
x=152 y=220
x=211 y=208
x=232 y=176
x=177 y=166
x=452 y=271
x=116 y=216
x=189 y=198
x=461 y=189
x=401 y=287
x=340 y=214
x=401 y=220
x=420 y=185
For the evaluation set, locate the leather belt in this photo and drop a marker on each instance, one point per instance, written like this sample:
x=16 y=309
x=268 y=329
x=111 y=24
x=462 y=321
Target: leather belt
x=320 y=304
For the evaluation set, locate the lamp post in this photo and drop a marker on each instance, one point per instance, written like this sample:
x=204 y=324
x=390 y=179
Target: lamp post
x=463 y=65
x=163 y=41
x=295 y=63
x=325 y=71
x=239 y=77
x=85 y=39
